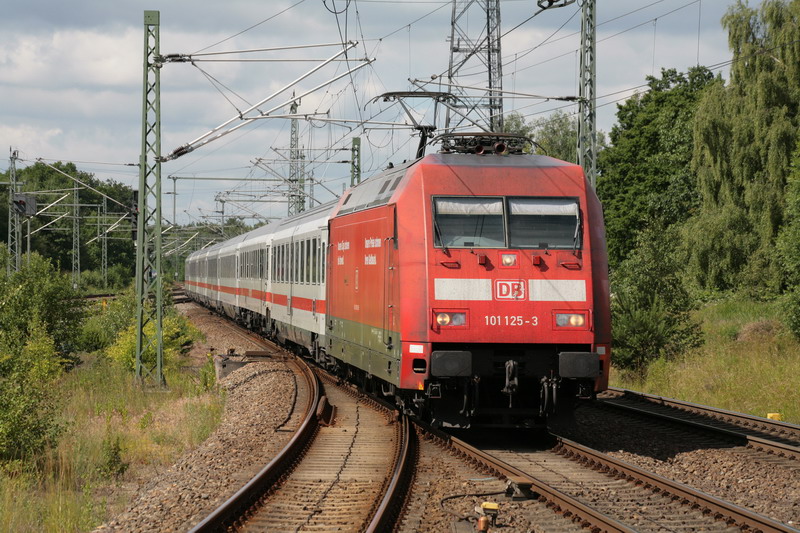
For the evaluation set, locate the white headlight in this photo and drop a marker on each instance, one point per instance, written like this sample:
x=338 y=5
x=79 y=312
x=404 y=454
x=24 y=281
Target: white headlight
x=570 y=320
x=451 y=319
x=508 y=260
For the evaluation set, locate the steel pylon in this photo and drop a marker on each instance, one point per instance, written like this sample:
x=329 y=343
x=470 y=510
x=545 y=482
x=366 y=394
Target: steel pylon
x=14 y=217
x=297 y=197
x=76 y=238
x=587 y=134
x=476 y=46
x=149 y=278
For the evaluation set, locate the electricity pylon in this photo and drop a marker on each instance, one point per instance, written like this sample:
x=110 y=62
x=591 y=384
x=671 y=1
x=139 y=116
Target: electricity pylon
x=587 y=134
x=468 y=50
x=14 y=217
x=149 y=279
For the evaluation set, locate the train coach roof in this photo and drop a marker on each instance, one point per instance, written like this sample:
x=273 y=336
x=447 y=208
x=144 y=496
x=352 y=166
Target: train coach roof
x=320 y=211
x=376 y=190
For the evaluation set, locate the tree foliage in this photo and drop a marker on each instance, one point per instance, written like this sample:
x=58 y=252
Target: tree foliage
x=651 y=306
x=555 y=135
x=177 y=334
x=788 y=245
x=39 y=318
x=645 y=174
x=744 y=137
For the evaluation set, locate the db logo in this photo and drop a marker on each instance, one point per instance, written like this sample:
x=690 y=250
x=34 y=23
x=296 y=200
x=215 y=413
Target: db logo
x=509 y=289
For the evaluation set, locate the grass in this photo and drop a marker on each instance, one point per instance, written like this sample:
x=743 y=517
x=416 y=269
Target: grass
x=113 y=432
x=749 y=363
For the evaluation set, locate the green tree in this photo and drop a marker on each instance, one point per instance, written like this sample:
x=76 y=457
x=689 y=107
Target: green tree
x=645 y=174
x=557 y=136
x=651 y=306
x=515 y=123
x=39 y=318
x=788 y=245
x=744 y=136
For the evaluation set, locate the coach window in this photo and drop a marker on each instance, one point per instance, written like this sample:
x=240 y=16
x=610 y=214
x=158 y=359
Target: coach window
x=282 y=264
x=306 y=262
x=296 y=262
x=286 y=251
x=298 y=248
x=468 y=222
x=323 y=256
x=544 y=223
x=307 y=256
x=315 y=260
x=276 y=274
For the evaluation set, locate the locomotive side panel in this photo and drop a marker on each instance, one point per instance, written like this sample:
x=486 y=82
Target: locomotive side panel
x=602 y=291
x=362 y=294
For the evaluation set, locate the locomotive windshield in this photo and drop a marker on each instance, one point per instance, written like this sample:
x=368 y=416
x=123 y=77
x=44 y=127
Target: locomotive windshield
x=545 y=223
x=474 y=222
x=469 y=222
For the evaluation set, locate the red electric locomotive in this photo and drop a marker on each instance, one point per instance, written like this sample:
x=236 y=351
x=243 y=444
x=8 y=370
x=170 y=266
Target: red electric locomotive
x=470 y=285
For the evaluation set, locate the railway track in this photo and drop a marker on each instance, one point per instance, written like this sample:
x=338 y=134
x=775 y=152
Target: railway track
x=606 y=494
x=334 y=474
x=761 y=434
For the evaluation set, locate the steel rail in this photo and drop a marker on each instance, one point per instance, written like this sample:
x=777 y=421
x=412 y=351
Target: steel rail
x=570 y=507
x=391 y=505
x=721 y=509
x=760 y=443
x=233 y=509
x=744 y=418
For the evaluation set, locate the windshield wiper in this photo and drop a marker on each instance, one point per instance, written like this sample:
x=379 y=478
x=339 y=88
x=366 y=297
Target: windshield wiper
x=439 y=234
x=575 y=237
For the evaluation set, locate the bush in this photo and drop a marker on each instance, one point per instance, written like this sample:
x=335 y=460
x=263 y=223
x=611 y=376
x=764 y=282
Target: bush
x=112 y=465
x=27 y=402
x=177 y=334
x=208 y=374
x=645 y=332
x=100 y=330
x=39 y=292
x=650 y=306
x=40 y=315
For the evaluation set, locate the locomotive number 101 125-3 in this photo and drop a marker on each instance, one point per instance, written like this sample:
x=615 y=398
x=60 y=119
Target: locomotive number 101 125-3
x=511 y=320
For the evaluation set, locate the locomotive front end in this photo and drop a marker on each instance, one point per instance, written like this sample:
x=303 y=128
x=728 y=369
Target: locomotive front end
x=517 y=311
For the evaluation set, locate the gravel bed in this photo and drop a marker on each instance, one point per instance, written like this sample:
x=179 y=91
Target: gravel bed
x=747 y=478
x=259 y=400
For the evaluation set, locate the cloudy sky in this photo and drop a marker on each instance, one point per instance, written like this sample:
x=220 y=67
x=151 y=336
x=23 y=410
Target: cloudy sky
x=71 y=80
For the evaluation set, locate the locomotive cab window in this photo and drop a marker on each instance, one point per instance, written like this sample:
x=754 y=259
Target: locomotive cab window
x=498 y=222
x=543 y=223
x=468 y=222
